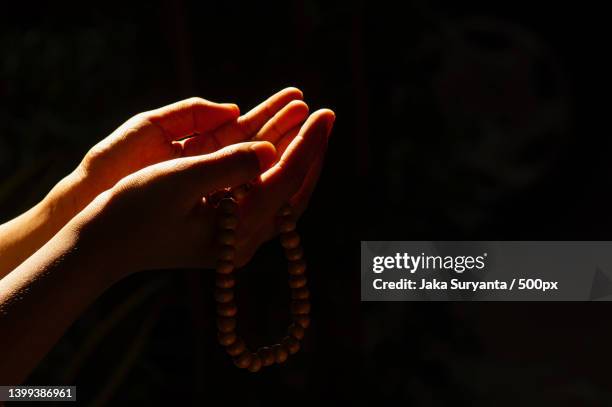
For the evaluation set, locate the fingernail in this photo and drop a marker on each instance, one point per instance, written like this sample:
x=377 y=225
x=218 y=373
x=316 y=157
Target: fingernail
x=266 y=154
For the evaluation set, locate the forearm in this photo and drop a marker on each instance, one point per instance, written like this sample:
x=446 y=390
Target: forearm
x=41 y=298
x=24 y=235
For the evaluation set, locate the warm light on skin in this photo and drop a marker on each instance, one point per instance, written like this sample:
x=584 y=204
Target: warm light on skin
x=150 y=217
x=134 y=145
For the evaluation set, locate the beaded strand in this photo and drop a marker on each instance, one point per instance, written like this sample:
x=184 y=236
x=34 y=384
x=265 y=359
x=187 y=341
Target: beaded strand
x=225 y=282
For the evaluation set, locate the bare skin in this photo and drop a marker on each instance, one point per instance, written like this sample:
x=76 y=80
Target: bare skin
x=147 y=138
x=136 y=203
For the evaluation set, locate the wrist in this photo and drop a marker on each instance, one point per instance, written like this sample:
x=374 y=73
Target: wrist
x=66 y=199
x=24 y=235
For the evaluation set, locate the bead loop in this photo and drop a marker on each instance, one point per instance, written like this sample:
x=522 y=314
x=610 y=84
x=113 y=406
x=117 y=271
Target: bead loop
x=225 y=282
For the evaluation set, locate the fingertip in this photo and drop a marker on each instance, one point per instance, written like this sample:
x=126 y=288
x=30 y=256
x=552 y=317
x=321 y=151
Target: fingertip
x=320 y=121
x=295 y=92
x=329 y=116
x=299 y=106
x=327 y=113
x=266 y=154
x=232 y=108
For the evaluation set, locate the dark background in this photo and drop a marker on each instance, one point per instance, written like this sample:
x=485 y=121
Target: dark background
x=455 y=120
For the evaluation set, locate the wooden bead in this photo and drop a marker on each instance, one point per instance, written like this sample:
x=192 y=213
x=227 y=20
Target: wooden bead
x=266 y=355
x=228 y=206
x=296 y=268
x=302 y=320
x=281 y=353
x=297 y=281
x=226 y=237
x=292 y=344
x=228 y=222
x=285 y=210
x=294 y=254
x=236 y=348
x=227 y=253
x=256 y=363
x=296 y=331
x=225 y=281
x=300 y=307
x=286 y=225
x=290 y=240
x=244 y=359
x=301 y=293
x=226 y=324
x=227 y=338
x=228 y=309
x=225 y=267
x=223 y=295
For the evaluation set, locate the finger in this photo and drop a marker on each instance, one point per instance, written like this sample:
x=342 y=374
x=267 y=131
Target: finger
x=191 y=116
x=254 y=120
x=291 y=116
x=245 y=128
x=229 y=167
x=283 y=143
x=286 y=177
x=300 y=200
x=248 y=125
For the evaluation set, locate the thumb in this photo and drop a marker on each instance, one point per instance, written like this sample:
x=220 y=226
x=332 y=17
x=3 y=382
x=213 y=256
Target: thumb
x=229 y=167
x=192 y=116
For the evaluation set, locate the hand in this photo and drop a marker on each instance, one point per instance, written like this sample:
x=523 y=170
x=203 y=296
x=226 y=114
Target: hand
x=157 y=217
x=186 y=128
x=153 y=218
x=301 y=152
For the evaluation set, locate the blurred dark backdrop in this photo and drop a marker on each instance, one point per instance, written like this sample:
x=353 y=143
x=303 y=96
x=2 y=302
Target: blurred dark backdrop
x=455 y=120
